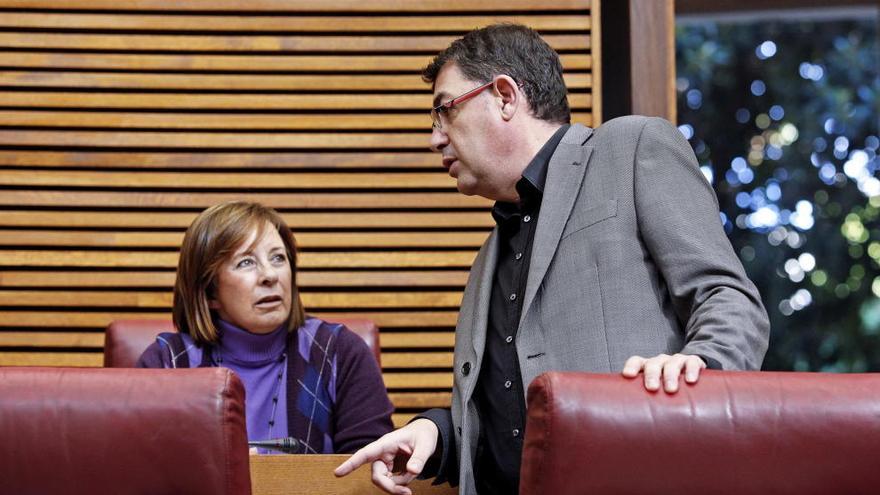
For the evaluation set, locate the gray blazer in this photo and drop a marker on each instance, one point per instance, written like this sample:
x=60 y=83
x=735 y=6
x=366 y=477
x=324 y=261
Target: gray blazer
x=629 y=258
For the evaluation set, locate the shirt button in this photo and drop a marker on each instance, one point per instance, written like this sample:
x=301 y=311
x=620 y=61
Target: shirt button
x=513 y=297
x=527 y=219
x=515 y=432
x=466 y=368
x=507 y=384
x=518 y=256
x=509 y=339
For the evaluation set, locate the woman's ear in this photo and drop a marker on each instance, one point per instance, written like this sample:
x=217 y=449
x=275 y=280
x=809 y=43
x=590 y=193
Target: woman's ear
x=509 y=93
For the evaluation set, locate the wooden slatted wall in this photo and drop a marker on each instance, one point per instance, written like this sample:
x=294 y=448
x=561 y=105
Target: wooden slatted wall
x=118 y=126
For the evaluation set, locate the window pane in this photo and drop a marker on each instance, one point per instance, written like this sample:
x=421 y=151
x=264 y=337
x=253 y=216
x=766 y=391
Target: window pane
x=783 y=116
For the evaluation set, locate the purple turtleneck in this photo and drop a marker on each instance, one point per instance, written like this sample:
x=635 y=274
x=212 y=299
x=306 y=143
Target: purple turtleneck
x=258 y=359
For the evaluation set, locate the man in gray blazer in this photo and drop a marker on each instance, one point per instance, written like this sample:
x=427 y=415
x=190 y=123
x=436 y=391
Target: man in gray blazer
x=608 y=256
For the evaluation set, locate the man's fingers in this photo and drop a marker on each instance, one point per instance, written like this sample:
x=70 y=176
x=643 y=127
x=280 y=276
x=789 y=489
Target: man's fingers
x=387 y=481
x=633 y=366
x=692 y=369
x=653 y=369
x=366 y=454
x=666 y=368
x=424 y=444
x=403 y=478
x=672 y=371
x=382 y=477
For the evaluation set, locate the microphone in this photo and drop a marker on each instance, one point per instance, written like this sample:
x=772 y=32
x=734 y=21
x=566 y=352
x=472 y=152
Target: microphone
x=287 y=445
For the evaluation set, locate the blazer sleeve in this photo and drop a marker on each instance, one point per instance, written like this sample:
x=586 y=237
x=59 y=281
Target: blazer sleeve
x=719 y=307
x=362 y=412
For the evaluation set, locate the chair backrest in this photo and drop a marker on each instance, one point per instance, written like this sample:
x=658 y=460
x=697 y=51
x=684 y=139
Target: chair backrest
x=95 y=430
x=731 y=433
x=125 y=340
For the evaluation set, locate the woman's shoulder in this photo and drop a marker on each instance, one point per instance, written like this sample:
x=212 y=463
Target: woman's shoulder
x=169 y=350
x=336 y=337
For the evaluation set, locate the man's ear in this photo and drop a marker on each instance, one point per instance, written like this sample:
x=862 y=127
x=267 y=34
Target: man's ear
x=509 y=94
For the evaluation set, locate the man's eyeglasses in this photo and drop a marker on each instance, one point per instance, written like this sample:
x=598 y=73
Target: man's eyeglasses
x=444 y=107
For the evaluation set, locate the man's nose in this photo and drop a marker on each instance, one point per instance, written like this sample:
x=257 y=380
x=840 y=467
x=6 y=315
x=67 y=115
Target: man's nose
x=439 y=139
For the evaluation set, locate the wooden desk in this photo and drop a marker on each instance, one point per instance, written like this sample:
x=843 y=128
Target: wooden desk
x=313 y=475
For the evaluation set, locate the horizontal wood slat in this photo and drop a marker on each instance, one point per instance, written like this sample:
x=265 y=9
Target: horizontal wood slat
x=307 y=260
x=221 y=121
x=115 y=139
x=51 y=339
x=190 y=180
x=350 y=63
x=248 y=82
x=421 y=379
x=390 y=340
x=303 y=24
x=223 y=160
x=305 y=240
x=326 y=221
x=100 y=319
x=311 y=6
x=275 y=102
x=417 y=360
x=313 y=300
x=421 y=400
x=165 y=279
x=80 y=359
x=291 y=200
x=122 y=121
x=258 y=43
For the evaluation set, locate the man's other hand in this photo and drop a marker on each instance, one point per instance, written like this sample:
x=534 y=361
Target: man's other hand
x=666 y=368
x=415 y=441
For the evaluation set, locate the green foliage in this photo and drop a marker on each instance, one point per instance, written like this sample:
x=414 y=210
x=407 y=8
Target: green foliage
x=784 y=117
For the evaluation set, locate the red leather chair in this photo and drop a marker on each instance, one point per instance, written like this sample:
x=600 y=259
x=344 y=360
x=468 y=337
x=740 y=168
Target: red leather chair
x=122 y=431
x=731 y=433
x=126 y=340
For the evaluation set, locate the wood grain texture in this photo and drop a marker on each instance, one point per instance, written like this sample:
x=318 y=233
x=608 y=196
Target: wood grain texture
x=312 y=474
x=221 y=121
x=653 y=58
x=98 y=319
x=247 y=82
x=280 y=22
x=56 y=279
x=305 y=240
x=254 y=43
x=250 y=63
x=452 y=6
x=236 y=102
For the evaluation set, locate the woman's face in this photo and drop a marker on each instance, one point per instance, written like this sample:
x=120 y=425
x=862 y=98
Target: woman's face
x=253 y=286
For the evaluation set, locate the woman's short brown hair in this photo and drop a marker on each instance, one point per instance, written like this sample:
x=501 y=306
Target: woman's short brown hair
x=209 y=241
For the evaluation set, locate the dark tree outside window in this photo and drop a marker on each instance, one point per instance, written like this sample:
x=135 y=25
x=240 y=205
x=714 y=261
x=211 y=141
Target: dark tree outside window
x=782 y=112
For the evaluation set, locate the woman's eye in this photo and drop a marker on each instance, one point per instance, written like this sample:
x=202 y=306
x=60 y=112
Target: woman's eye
x=245 y=263
x=279 y=258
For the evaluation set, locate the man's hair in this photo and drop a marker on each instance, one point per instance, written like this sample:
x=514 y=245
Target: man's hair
x=210 y=240
x=517 y=51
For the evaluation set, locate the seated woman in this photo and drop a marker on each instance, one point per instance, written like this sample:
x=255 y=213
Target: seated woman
x=236 y=305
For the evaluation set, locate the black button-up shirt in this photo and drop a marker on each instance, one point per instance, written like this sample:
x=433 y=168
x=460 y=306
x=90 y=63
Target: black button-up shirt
x=499 y=394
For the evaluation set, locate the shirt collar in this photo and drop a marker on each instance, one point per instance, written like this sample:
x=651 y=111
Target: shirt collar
x=531 y=185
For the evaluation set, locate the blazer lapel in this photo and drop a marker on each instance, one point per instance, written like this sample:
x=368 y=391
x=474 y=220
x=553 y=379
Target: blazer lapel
x=564 y=177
